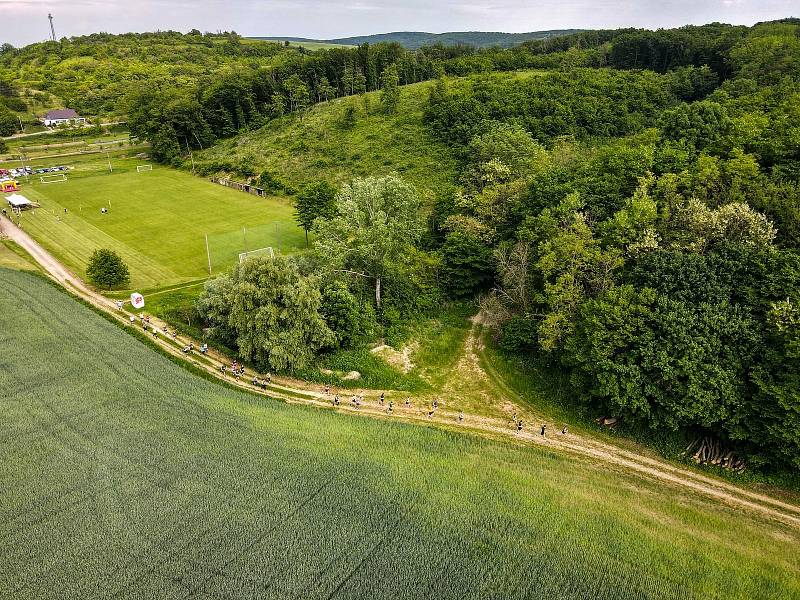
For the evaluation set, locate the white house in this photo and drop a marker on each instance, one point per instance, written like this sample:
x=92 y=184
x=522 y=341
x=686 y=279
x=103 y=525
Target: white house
x=62 y=116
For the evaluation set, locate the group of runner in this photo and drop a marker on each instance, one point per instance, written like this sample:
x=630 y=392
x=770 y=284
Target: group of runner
x=542 y=431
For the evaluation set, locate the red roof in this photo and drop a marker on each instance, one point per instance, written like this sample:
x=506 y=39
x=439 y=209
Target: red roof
x=61 y=113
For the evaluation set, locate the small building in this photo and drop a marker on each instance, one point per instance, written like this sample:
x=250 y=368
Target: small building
x=62 y=116
x=20 y=202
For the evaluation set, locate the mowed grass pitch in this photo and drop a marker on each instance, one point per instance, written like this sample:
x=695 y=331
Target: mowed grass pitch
x=157 y=221
x=123 y=475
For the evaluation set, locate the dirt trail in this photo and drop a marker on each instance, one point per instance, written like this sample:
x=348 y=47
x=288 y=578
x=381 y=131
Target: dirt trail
x=298 y=392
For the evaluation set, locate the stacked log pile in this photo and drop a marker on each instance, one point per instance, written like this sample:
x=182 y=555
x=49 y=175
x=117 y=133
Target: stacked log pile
x=707 y=450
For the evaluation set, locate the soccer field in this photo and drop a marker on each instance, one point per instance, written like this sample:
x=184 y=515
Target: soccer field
x=125 y=476
x=157 y=220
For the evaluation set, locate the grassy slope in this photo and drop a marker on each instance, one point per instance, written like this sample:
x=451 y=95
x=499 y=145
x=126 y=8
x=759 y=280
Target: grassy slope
x=157 y=221
x=124 y=473
x=14 y=257
x=299 y=152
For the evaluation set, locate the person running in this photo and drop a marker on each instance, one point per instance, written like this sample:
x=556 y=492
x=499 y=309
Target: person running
x=564 y=431
x=336 y=400
x=435 y=404
x=408 y=401
x=327 y=389
x=544 y=429
x=222 y=368
x=269 y=378
x=264 y=384
x=519 y=425
x=255 y=380
x=383 y=397
x=430 y=414
x=461 y=416
x=391 y=406
x=514 y=417
x=133 y=319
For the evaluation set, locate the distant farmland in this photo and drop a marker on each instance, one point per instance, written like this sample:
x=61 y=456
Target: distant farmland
x=124 y=475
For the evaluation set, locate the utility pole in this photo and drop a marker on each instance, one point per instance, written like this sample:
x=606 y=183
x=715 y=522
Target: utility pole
x=208 y=254
x=52 y=29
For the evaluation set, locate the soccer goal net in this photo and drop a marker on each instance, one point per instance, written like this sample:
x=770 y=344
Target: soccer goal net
x=268 y=252
x=53 y=178
x=141 y=168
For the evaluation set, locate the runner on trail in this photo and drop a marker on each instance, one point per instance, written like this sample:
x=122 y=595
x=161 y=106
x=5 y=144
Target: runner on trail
x=327 y=389
x=430 y=414
x=336 y=400
x=391 y=405
x=514 y=417
x=133 y=319
x=408 y=401
x=519 y=425
x=264 y=384
x=383 y=396
x=269 y=378
x=460 y=416
x=544 y=428
x=255 y=380
x=564 y=431
x=435 y=404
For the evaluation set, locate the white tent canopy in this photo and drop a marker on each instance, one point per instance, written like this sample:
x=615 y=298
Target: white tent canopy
x=20 y=201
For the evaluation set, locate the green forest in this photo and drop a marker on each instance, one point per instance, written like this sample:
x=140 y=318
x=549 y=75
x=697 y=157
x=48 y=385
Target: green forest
x=625 y=209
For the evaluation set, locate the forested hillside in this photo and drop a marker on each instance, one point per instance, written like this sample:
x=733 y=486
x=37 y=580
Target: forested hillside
x=94 y=73
x=628 y=214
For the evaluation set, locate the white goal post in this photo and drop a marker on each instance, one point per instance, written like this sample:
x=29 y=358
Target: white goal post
x=58 y=178
x=142 y=168
x=268 y=252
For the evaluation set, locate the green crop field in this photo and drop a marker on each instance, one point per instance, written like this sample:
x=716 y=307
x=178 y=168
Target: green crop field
x=156 y=220
x=124 y=475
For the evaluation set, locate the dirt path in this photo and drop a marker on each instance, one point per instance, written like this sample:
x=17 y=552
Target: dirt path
x=298 y=392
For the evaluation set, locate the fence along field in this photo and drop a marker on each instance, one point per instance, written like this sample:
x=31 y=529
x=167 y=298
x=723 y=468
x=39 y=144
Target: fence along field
x=157 y=220
x=123 y=474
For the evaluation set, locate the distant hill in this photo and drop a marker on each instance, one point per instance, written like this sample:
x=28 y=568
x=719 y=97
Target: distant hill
x=417 y=39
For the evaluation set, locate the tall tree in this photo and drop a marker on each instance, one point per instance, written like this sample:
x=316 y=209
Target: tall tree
x=270 y=310
x=317 y=200
x=390 y=82
x=377 y=223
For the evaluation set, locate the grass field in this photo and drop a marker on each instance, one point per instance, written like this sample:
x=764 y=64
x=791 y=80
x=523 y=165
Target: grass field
x=302 y=151
x=157 y=220
x=124 y=475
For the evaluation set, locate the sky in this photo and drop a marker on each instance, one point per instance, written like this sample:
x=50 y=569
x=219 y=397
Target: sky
x=25 y=21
